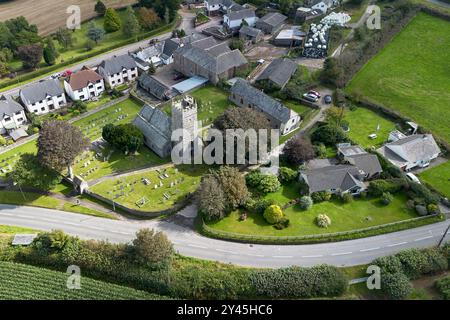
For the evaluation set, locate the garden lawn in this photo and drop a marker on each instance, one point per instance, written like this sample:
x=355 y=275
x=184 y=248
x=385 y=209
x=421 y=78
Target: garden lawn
x=134 y=189
x=363 y=122
x=344 y=217
x=411 y=74
x=438 y=177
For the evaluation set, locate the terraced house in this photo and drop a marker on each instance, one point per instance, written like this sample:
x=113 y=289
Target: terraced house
x=84 y=85
x=118 y=70
x=43 y=97
x=12 y=115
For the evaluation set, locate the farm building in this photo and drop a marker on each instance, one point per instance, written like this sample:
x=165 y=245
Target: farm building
x=293 y=37
x=234 y=19
x=271 y=22
x=250 y=35
x=278 y=73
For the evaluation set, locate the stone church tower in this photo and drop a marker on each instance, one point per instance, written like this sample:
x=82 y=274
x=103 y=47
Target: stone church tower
x=184 y=116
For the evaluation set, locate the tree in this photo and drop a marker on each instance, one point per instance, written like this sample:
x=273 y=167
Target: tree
x=59 y=143
x=64 y=38
x=30 y=173
x=242 y=118
x=306 y=202
x=387 y=198
x=89 y=45
x=152 y=248
x=298 y=150
x=335 y=115
x=331 y=72
x=151 y=68
x=233 y=184
x=237 y=44
x=211 y=199
x=31 y=55
x=287 y=174
x=100 y=8
x=50 y=53
x=2 y=141
x=268 y=184
x=94 y=32
x=396 y=285
x=3 y=69
x=131 y=27
x=148 y=18
x=112 y=21
x=329 y=135
x=285 y=6
x=273 y=214
x=124 y=137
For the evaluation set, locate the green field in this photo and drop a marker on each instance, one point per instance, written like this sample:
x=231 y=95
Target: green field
x=363 y=122
x=23 y=282
x=412 y=74
x=187 y=179
x=438 y=177
x=344 y=217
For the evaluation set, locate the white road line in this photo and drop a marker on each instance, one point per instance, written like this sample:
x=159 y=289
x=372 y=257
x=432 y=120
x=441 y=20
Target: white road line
x=397 y=244
x=369 y=249
x=121 y=232
x=26 y=217
x=313 y=256
x=226 y=251
x=255 y=255
x=6 y=214
x=197 y=246
x=72 y=224
x=341 y=253
x=283 y=257
x=423 y=238
x=96 y=228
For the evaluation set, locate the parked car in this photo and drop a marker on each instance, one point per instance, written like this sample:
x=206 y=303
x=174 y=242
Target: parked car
x=66 y=73
x=310 y=97
x=178 y=76
x=317 y=94
x=412 y=177
x=328 y=99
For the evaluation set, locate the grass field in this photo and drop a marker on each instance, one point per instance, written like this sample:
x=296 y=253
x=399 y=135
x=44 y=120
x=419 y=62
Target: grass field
x=412 y=74
x=134 y=189
x=24 y=282
x=363 y=122
x=439 y=178
x=344 y=217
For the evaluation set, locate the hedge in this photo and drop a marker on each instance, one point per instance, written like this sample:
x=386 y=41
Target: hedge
x=443 y=286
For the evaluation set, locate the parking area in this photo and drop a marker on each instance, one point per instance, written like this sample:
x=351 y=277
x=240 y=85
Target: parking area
x=265 y=51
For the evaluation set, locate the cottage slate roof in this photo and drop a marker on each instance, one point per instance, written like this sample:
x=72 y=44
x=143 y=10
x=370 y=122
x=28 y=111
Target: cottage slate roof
x=241 y=14
x=155 y=126
x=83 y=78
x=340 y=177
x=152 y=51
x=8 y=107
x=204 y=43
x=351 y=150
x=273 y=19
x=170 y=46
x=219 y=49
x=414 y=148
x=116 y=64
x=367 y=162
x=249 y=31
x=153 y=86
x=279 y=71
x=40 y=90
x=264 y=102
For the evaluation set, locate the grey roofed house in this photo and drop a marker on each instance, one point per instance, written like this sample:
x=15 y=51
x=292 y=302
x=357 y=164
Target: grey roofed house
x=271 y=22
x=250 y=32
x=155 y=125
x=262 y=101
x=154 y=87
x=335 y=179
x=367 y=162
x=241 y=14
x=8 y=107
x=412 y=151
x=278 y=72
x=116 y=64
x=169 y=48
x=348 y=150
x=40 y=91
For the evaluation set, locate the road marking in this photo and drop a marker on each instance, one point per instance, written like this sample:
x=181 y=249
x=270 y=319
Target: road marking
x=341 y=253
x=397 y=244
x=420 y=239
x=313 y=256
x=226 y=251
x=6 y=214
x=96 y=228
x=26 y=217
x=255 y=255
x=282 y=256
x=369 y=249
x=122 y=232
x=197 y=246
x=72 y=224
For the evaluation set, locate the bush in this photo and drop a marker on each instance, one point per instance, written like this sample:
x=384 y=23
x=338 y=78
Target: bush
x=151 y=248
x=124 y=137
x=321 y=196
x=443 y=286
x=346 y=197
x=296 y=282
x=282 y=224
x=413 y=262
x=50 y=242
x=386 y=198
x=268 y=184
x=287 y=174
x=320 y=150
x=378 y=187
x=421 y=210
x=328 y=135
x=389 y=264
x=253 y=178
x=260 y=205
x=396 y=285
x=306 y=202
x=423 y=192
x=273 y=214
x=323 y=221
x=432 y=208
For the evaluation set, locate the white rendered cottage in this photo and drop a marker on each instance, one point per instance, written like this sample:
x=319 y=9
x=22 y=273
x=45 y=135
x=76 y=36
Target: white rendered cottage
x=84 y=85
x=118 y=70
x=43 y=97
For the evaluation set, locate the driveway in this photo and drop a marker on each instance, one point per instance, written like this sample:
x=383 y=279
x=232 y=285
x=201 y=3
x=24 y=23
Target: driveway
x=434 y=163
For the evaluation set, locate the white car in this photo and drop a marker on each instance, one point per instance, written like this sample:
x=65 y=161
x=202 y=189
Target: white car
x=310 y=97
x=412 y=177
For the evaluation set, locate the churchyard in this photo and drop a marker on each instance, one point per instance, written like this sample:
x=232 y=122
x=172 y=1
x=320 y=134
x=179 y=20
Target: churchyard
x=155 y=190
x=410 y=75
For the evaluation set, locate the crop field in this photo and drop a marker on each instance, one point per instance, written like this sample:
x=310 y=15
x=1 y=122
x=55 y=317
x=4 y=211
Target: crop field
x=49 y=15
x=23 y=282
x=411 y=74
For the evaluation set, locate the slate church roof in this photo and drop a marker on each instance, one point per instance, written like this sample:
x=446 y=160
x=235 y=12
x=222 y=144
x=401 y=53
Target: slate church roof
x=155 y=125
x=154 y=87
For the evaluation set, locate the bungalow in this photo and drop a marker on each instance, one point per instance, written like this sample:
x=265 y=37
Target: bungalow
x=84 y=85
x=337 y=179
x=118 y=70
x=43 y=97
x=12 y=115
x=245 y=95
x=355 y=155
x=154 y=87
x=271 y=22
x=278 y=73
x=250 y=35
x=234 y=19
x=417 y=150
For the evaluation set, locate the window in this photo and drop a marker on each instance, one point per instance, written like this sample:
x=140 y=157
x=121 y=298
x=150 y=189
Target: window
x=82 y=97
x=43 y=109
x=20 y=120
x=6 y=119
x=18 y=113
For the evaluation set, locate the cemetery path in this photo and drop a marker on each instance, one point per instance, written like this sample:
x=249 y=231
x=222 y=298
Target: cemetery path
x=187 y=242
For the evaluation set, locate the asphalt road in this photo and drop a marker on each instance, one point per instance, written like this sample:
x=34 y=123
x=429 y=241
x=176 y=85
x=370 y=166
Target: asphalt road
x=189 y=243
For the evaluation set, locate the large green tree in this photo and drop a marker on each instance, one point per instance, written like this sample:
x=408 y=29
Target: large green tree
x=124 y=137
x=152 y=248
x=31 y=55
x=94 y=32
x=211 y=199
x=112 y=21
x=298 y=150
x=100 y=8
x=65 y=38
x=50 y=53
x=131 y=26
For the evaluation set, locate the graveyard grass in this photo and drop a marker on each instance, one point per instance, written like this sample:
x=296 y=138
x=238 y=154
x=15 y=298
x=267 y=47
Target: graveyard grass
x=135 y=189
x=363 y=122
x=438 y=177
x=411 y=75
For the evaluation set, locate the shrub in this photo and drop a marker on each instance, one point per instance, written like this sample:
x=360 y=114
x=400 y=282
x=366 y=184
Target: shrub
x=282 y=224
x=323 y=221
x=306 y=202
x=287 y=174
x=413 y=262
x=328 y=135
x=378 y=187
x=396 y=285
x=423 y=192
x=443 y=286
x=273 y=214
x=346 y=197
x=262 y=204
x=151 y=248
x=421 y=210
x=296 y=282
x=268 y=184
x=48 y=242
x=321 y=196
x=436 y=261
x=386 y=198
x=432 y=208
x=389 y=264
x=253 y=178
x=320 y=150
